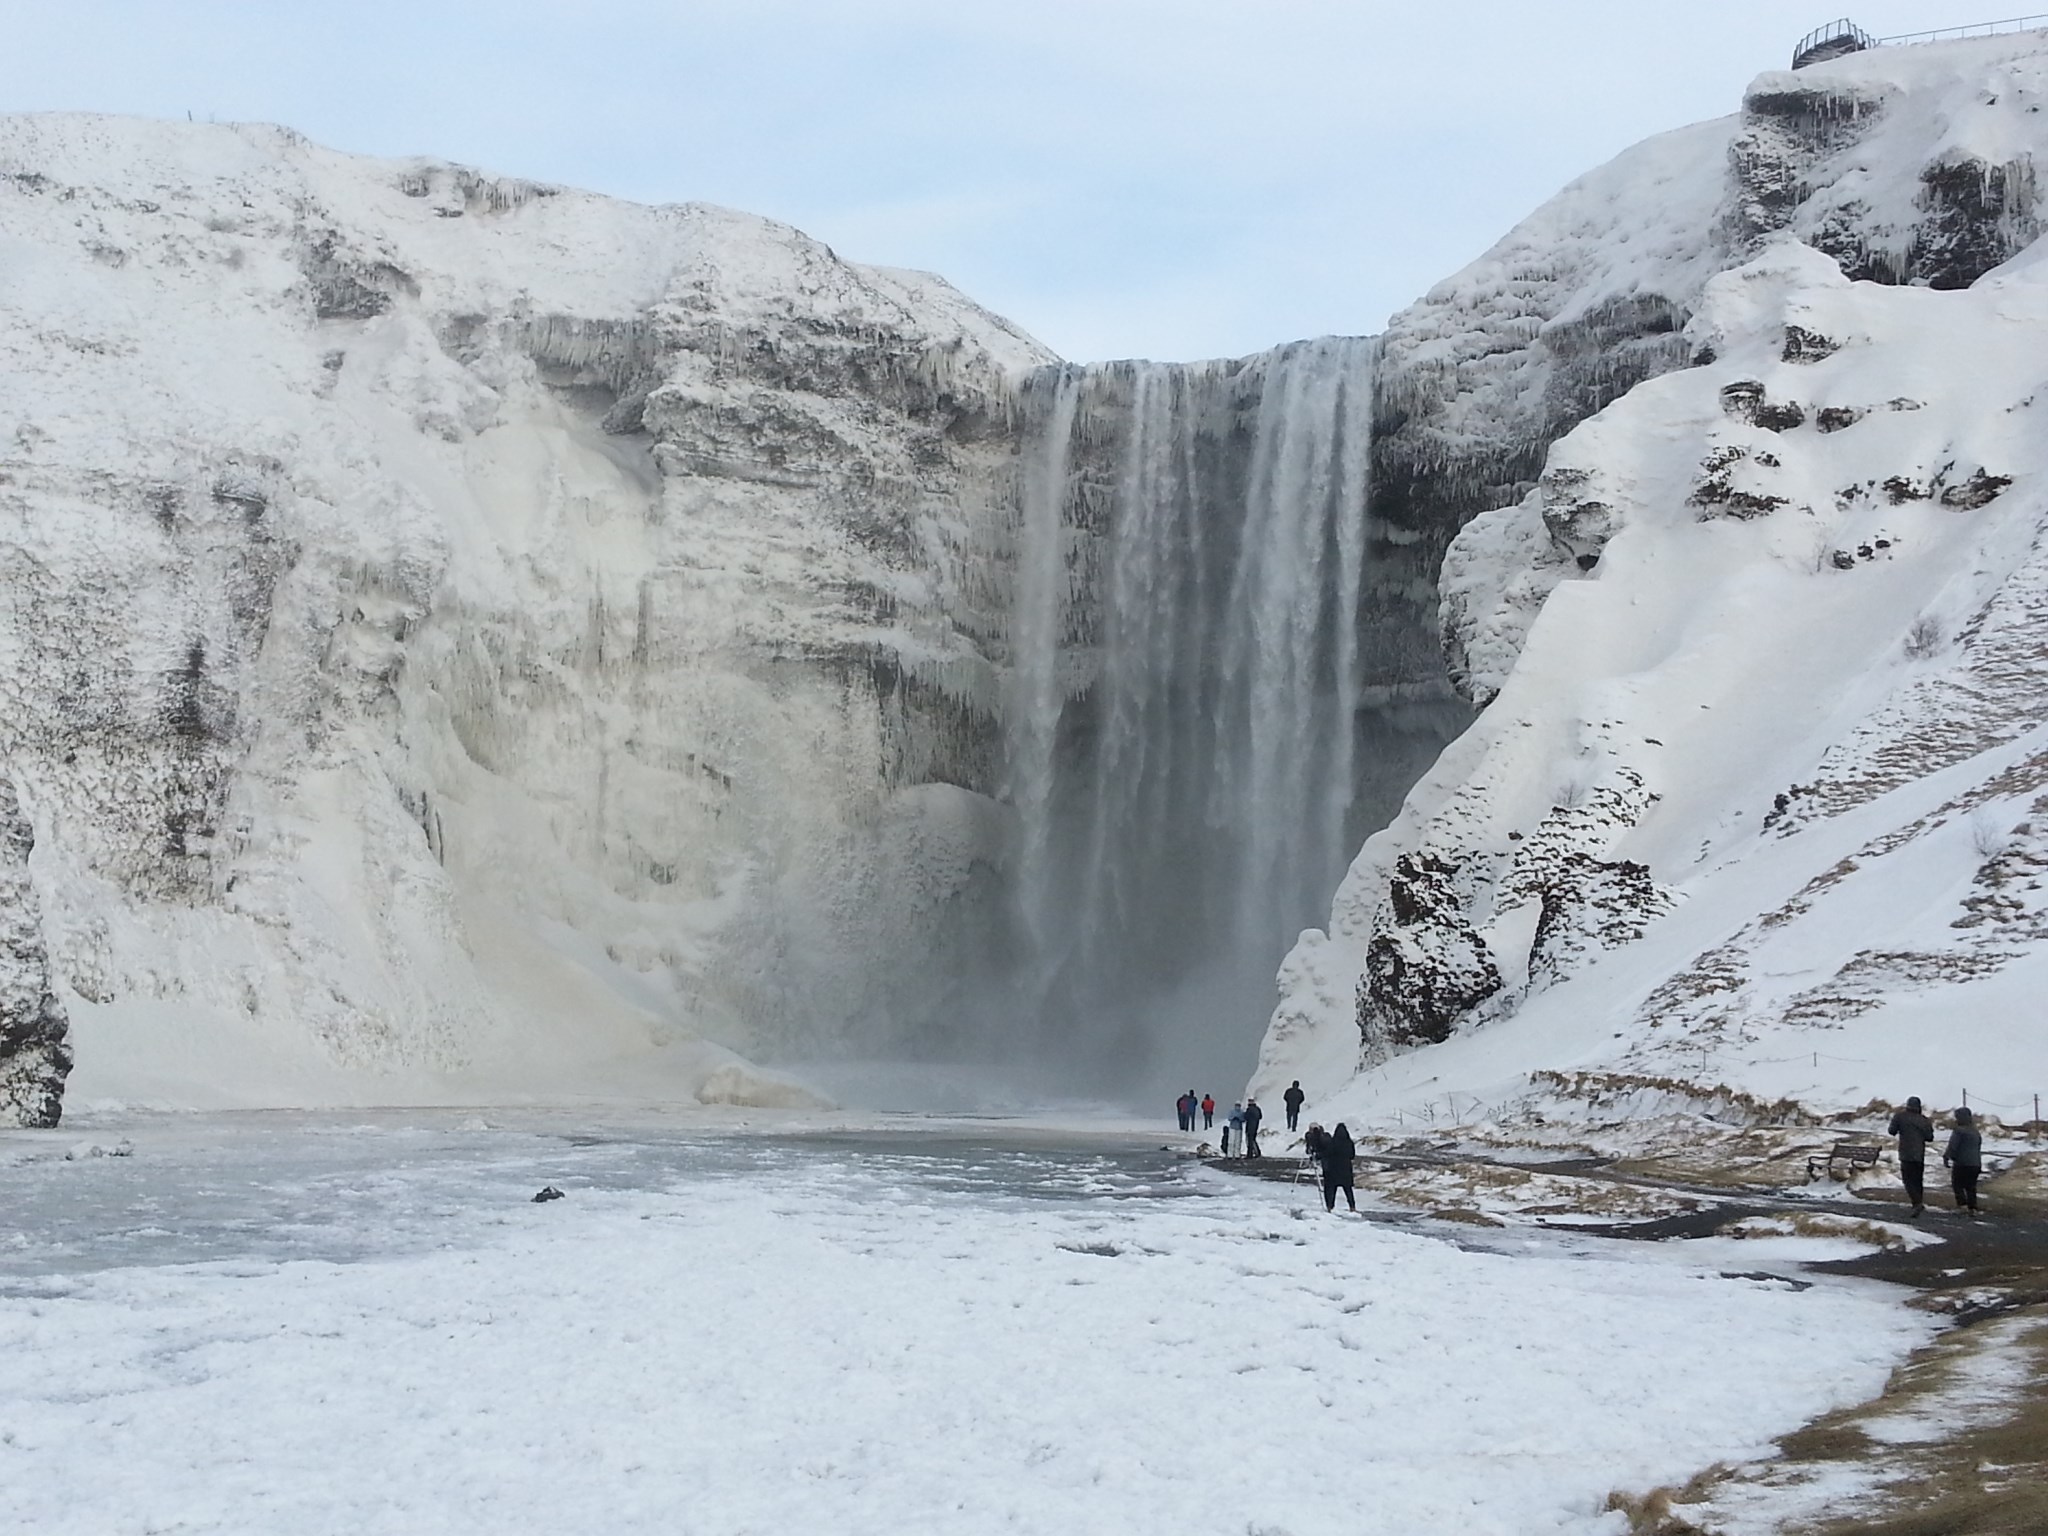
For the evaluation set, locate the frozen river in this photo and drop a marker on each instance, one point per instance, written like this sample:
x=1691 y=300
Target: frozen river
x=363 y=1324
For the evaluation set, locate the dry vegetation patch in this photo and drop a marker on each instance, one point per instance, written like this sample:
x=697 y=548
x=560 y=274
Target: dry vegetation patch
x=1825 y=1224
x=1957 y=1445
x=1496 y=1189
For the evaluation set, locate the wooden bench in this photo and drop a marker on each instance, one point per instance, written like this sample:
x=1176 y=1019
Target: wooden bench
x=1857 y=1154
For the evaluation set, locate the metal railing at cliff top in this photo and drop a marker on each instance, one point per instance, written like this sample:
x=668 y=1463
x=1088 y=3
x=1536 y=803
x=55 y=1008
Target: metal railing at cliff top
x=1843 y=31
x=1979 y=29
x=1843 y=36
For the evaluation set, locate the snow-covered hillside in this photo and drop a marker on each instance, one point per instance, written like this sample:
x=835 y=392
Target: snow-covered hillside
x=462 y=636
x=1757 y=804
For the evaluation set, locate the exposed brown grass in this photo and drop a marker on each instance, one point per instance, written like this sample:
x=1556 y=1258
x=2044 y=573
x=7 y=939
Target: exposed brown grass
x=1982 y=1472
x=1608 y=1087
x=1526 y=1191
x=1818 y=1224
x=1655 y=1513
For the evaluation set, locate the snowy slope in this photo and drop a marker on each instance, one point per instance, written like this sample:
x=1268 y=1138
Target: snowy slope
x=1909 y=165
x=1756 y=803
x=464 y=636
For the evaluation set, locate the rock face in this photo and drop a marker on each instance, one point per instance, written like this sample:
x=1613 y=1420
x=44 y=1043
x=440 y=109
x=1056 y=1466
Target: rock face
x=465 y=631
x=1802 y=559
x=34 y=1058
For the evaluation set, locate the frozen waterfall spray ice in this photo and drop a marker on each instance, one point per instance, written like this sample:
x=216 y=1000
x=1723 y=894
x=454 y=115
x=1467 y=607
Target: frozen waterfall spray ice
x=1188 y=561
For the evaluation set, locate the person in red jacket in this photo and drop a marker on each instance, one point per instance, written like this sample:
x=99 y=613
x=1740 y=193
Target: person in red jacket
x=1208 y=1110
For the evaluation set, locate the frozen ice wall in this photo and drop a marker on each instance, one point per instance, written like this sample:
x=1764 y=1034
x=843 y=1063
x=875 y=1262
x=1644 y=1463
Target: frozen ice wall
x=1195 y=733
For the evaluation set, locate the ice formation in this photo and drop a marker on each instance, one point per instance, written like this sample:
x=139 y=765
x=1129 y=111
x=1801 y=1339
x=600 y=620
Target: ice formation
x=1751 y=806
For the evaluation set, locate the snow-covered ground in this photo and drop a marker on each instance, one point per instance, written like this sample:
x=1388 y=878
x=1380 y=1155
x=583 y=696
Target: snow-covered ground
x=287 y=1323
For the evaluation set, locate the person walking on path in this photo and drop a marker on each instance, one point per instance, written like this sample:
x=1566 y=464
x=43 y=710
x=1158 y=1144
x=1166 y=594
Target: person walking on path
x=1233 y=1129
x=1294 y=1098
x=1252 y=1116
x=1964 y=1155
x=1208 y=1110
x=1914 y=1131
x=1336 y=1159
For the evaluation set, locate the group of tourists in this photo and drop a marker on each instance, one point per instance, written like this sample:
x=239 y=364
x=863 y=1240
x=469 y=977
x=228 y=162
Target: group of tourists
x=1240 y=1126
x=1963 y=1156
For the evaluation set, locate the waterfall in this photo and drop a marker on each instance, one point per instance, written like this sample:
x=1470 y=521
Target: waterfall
x=1188 y=566
x=1038 y=622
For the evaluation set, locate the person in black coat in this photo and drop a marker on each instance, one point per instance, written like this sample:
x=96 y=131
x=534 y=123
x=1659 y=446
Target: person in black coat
x=1914 y=1131
x=1293 y=1098
x=1337 y=1155
x=1252 y=1116
x=1964 y=1155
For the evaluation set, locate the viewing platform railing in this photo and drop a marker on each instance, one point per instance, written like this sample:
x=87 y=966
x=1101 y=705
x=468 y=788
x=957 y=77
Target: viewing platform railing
x=1980 y=29
x=1831 y=41
x=1844 y=36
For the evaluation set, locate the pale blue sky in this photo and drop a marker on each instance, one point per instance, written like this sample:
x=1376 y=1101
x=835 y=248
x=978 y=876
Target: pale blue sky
x=1120 y=177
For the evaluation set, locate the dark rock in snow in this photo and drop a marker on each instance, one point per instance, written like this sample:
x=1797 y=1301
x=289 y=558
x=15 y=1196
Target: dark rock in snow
x=1426 y=965
x=1979 y=490
x=1804 y=346
x=35 y=1057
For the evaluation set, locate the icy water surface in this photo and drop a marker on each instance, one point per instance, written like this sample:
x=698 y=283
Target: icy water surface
x=309 y=1324
x=283 y=1186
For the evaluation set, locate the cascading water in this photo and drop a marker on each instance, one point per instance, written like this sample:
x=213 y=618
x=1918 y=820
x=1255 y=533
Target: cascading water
x=1189 y=561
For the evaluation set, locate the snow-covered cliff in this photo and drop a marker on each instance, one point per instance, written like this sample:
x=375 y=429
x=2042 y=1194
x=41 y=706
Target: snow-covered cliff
x=1755 y=802
x=464 y=636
